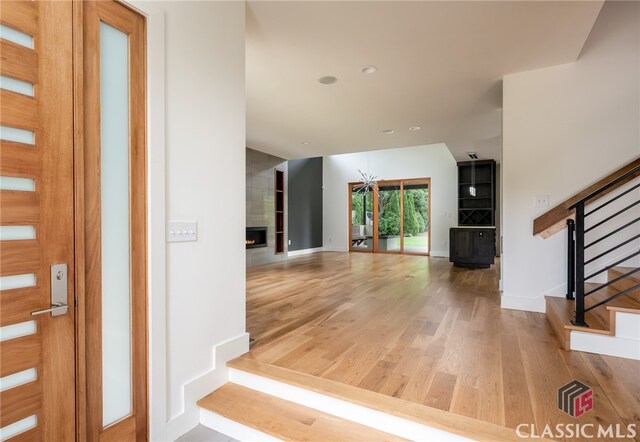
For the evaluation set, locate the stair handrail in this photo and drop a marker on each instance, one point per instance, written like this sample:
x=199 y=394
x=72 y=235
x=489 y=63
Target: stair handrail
x=553 y=220
x=622 y=179
x=576 y=231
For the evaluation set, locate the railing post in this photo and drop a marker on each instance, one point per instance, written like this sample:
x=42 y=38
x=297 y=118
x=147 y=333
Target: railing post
x=571 y=259
x=579 y=281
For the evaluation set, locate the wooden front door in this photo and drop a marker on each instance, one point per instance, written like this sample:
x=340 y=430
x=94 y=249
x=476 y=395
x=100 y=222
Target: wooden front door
x=37 y=222
x=72 y=245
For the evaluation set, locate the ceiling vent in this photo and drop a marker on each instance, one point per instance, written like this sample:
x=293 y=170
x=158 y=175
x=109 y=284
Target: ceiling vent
x=472 y=155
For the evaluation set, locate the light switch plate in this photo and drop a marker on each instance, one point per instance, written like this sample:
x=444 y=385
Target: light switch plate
x=542 y=200
x=182 y=231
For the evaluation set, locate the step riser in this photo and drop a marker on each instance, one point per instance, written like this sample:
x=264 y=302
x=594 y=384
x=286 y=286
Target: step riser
x=628 y=326
x=557 y=324
x=232 y=428
x=605 y=345
x=365 y=416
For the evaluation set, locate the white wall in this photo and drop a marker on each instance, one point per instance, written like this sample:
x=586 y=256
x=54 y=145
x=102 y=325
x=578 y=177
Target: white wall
x=434 y=161
x=565 y=127
x=196 y=163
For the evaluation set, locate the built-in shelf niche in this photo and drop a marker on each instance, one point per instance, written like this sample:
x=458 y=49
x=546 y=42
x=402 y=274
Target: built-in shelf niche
x=476 y=176
x=279 y=210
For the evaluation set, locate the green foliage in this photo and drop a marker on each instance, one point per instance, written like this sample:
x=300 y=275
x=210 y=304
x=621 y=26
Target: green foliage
x=389 y=222
x=416 y=210
x=357 y=201
x=411 y=225
x=356 y=207
x=421 y=207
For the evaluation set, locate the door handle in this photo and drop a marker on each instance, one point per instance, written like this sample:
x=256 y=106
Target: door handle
x=55 y=310
x=59 y=304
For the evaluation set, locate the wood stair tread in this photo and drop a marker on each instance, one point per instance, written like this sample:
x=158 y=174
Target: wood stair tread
x=618 y=271
x=422 y=414
x=283 y=419
x=625 y=301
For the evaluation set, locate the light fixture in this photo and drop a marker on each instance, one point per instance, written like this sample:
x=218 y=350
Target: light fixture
x=472 y=187
x=327 y=80
x=388 y=131
x=305 y=143
x=414 y=128
x=367 y=70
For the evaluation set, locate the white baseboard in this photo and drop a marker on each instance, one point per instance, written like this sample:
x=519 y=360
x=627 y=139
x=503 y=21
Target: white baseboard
x=305 y=251
x=559 y=291
x=533 y=304
x=205 y=384
x=335 y=249
x=439 y=253
x=356 y=413
x=232 y=428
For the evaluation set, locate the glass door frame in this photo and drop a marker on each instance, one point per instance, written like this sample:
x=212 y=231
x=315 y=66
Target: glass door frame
x=414 y=181
x=376 y=232
x=401 y=183
x=350 y=191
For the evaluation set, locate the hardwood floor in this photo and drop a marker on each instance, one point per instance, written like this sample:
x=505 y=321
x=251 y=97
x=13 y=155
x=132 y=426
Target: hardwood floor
x=286 y=420
x=419 y=329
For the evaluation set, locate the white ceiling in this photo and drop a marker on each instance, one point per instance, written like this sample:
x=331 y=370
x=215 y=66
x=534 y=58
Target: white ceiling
x=440 y=66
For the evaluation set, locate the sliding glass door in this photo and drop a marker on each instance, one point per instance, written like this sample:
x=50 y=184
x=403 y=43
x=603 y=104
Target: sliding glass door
x=361 y=216
x=388 y=221
x=393 y=217
x=415 y=198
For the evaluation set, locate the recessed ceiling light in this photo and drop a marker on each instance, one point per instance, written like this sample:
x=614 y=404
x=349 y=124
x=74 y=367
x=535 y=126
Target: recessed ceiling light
x=388 y=131
x=414 y=128
x=368 y=69
x=328 y=79
x=305 y=142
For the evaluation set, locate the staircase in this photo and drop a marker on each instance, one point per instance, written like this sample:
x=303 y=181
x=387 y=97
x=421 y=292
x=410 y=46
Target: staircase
x=601 y=312
x=263 y=402
x=616 y=326
x=280 y=419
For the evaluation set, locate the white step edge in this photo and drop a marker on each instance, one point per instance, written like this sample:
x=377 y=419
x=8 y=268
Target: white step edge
x=375 y=419
x=624 y=344
x=232 y=428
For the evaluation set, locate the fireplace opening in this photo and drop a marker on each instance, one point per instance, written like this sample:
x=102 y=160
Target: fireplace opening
x=256 y=237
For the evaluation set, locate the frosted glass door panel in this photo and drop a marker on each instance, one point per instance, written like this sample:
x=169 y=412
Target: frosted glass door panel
x=9 y=133
x=114 y=155
x=13 y=233
x=20 y=378
x=19 y=86
x=16 y=36
x=17 y=183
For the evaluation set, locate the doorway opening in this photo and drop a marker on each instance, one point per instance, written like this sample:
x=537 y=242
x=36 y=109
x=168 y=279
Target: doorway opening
x=391 y=217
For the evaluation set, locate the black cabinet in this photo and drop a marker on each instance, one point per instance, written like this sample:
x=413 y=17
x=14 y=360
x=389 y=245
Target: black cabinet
x=472 y=247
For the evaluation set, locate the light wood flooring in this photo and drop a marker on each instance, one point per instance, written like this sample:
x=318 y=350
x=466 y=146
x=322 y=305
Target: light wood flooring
x=286 y=420
x=419 y=329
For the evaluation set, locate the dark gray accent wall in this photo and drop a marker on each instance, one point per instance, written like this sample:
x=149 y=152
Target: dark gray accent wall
x=305 y=203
